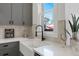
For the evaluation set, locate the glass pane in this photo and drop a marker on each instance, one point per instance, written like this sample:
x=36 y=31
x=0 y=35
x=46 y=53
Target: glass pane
x=48 y=16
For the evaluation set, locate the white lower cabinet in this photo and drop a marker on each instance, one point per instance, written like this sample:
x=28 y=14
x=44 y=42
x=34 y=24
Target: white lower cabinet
x=26 y=50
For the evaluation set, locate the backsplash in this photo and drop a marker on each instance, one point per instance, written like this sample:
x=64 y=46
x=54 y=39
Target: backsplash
x=20 y=31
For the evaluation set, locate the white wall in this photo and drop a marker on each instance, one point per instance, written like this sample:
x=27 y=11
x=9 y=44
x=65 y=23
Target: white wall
x=35 y=13
x=36 y=16
x=60 y=16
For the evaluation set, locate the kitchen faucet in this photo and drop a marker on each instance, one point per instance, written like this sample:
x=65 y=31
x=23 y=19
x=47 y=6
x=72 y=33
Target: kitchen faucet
x=41 y=31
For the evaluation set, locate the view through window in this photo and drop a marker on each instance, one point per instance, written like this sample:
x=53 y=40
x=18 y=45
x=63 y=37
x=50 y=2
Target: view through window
x=48 y=16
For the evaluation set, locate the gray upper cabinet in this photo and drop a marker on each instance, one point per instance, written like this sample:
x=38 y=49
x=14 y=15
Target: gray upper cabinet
x=17 y=13
x=27 y=14
x=20 y=13
x=5 y=13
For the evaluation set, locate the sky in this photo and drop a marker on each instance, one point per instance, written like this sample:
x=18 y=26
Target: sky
x=48 y=6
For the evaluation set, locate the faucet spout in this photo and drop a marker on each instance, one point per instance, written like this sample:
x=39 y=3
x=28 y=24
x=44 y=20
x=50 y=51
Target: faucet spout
x=41 y=31
x=36 y=33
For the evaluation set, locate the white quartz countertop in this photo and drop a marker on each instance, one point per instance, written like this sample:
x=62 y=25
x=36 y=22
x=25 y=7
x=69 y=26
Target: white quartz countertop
x=43 y=48
x=52 y=51
x=11 y=40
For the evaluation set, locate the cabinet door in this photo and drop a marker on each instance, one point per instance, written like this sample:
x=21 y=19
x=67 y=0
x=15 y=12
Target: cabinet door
x=10 y=52
x=17 y=13
x=5 y=46
x=27 y=14
x=9 y=49
x=5 y=13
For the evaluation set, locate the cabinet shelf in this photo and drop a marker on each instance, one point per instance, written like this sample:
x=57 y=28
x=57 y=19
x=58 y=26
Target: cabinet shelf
x=9 y=33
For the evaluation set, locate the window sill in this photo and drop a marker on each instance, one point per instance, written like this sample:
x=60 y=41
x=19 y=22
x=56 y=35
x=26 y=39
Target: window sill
x=48 y=29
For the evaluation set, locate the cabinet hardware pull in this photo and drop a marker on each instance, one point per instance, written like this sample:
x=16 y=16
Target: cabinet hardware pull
x=5 y=54
x=5 y=45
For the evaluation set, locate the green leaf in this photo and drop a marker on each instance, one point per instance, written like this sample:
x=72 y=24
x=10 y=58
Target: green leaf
x=71 y=25
x=67 y=32
x=74 y=26
x=77 y=27
x=77 y=20
x=73 y=18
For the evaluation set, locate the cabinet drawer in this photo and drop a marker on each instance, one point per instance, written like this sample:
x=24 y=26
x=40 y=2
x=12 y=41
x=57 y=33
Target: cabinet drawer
x=9 y=52
x=5 y=46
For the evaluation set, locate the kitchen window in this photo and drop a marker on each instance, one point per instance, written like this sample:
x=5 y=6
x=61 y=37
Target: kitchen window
x=48 y=16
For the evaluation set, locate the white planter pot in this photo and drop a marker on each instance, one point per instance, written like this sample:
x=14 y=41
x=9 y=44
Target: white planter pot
x=78 y=36
x=74 y=35
x=68 y=41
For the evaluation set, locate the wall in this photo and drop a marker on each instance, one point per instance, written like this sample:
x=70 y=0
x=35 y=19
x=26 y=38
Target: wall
x=20 y=31
x=36 y=17
x=37 y=14
x=60 y=16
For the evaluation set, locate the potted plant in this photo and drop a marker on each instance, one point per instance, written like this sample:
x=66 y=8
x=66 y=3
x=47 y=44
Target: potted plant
x=74 y=26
